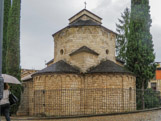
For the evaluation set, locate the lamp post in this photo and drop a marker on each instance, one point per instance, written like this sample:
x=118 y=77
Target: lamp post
x=1 y=39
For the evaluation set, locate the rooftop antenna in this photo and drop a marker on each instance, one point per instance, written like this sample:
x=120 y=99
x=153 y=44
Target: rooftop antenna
x=85 y=3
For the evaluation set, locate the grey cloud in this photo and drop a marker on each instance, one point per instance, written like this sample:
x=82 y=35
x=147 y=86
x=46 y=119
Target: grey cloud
x=39 y=20
x=156 y=33
x=110 y=11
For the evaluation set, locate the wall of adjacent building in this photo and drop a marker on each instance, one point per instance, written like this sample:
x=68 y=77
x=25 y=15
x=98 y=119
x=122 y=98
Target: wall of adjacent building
x=157 y=79
x=25 y=72
x=158 y=74
x=158 y=84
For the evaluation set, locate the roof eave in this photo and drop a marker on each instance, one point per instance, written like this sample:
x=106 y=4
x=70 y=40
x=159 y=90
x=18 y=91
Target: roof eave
x=85 y=25
x=60 y=30
x=87 y=11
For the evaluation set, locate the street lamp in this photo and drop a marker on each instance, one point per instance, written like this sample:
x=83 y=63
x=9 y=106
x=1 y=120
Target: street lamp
x=1 y=39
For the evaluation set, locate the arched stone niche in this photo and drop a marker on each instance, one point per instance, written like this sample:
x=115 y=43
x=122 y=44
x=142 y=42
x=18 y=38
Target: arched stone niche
x=75 y=91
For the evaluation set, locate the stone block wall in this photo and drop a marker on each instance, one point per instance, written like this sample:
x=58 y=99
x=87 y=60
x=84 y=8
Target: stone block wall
x=71 y=94
x=27 y=104
x=94 y=37
x=84 y=60
x=31 y=98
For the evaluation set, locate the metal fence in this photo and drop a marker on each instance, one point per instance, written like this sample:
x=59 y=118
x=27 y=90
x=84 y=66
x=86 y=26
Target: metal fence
x=69 y=102
x=83 y=102
x=148 y=99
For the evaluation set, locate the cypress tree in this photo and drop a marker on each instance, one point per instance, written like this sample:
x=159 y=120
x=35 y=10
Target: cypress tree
x=7 y=6
x=140 y=52
x=13 y=47
x=122 y=29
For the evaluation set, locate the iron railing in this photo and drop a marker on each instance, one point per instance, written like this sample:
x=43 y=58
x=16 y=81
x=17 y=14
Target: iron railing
x=68 y=102
x=83 y=102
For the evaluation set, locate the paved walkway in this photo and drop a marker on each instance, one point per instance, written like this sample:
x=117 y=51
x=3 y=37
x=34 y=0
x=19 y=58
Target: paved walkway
x=147 y=115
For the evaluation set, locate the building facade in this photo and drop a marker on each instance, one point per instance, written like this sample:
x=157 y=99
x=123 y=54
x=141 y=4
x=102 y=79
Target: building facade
x=155 y=83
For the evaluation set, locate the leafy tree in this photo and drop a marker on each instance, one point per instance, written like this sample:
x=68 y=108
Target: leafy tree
x=140 y=52
x=123 y=31
x=151 y=99
x=7 y=6
x=13 y=46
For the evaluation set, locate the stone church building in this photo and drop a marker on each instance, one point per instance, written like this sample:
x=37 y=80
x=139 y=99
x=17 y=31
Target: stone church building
x=84 y=77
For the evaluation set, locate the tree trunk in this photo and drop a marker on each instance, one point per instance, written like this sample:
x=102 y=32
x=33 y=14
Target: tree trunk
x=142 y=90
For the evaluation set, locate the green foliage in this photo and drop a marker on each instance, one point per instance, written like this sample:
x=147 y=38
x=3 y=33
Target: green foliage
x=13 y=40
x=140 y=52
x=123 y=31
x=151 y=99
x=7 y=6
x=13 y=47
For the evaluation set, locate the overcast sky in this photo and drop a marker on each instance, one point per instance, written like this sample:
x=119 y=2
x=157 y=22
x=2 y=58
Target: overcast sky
x=41 y=18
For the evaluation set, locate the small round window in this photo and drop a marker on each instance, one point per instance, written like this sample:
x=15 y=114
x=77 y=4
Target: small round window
x=61 y=51
x=107 y=51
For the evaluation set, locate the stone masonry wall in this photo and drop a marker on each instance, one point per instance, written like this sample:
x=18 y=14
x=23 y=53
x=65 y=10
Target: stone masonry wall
x=26 y=106
x=71 y=94
x=94 y=37
x=84 y=60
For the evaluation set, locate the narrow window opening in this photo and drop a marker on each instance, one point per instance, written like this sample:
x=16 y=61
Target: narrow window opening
x=130 y=93
x=107 y=51
x=61 y=52
x=154 y=86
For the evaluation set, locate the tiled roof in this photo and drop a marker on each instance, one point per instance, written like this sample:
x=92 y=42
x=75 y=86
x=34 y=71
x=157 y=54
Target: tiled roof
x=84 y=23
x=108 y=67
x=58 y=67
x=87 y=11
x=26 y=78
x=104 y=67
x=50 y=61
x=122 y=62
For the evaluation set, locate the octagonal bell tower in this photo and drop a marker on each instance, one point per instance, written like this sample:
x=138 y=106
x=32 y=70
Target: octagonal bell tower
x=84 y=43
